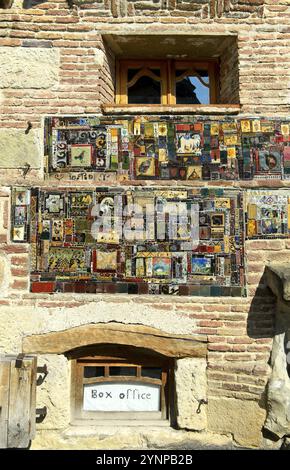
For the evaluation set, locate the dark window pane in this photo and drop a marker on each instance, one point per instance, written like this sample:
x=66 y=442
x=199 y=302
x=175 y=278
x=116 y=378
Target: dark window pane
x=191 y=90
x=145 y=91
x=155 y=71
x=130 y=371
x=132 y=73
x=92 y=371
x=152 y=372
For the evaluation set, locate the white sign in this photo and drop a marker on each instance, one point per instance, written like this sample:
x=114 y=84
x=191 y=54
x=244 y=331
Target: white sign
x=121 y=397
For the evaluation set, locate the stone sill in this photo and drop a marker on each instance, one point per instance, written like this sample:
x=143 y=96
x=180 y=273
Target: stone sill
x=53 y=180
x=85 y=428
x=133 y=109
x=126 y=298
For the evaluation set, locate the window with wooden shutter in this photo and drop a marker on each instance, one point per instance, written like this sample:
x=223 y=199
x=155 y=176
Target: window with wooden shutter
x=17 y=401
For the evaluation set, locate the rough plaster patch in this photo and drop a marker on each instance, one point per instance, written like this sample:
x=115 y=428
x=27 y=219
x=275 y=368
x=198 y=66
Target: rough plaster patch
x=24 y=321
x=28 y=67
x=18 y=148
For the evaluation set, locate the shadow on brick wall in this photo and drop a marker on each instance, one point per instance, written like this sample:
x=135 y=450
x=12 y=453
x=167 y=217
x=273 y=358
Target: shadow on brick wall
x=32 y=3
x=261 y=317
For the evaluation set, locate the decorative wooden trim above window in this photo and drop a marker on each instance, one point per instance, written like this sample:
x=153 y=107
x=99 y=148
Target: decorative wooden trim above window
x=166 y=74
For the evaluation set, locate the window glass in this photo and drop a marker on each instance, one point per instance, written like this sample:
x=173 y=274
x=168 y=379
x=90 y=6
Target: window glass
x=92 y=371
x=146 y=90
x=128 y=371
x=167 y=82
x=191 y=90
x=151 y=372
x=103 y=386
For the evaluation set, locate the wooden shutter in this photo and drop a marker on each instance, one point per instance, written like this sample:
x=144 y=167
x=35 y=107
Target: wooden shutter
x=17 y=401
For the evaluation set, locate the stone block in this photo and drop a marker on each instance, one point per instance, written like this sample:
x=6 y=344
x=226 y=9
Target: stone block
x=191 y=387
x=54 y=392
x=31 y=67
x=278 y=391
x=18 y=148
x=244 y=419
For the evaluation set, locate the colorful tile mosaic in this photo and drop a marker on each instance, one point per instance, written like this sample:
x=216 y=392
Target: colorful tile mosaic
x=177 y=241
x=268 y=213
x=92 y=148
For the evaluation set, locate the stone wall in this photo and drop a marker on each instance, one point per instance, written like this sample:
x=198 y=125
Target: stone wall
x=53 y=61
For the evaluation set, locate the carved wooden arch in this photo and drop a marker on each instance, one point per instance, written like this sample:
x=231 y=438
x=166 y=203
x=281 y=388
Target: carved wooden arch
x=170 y=345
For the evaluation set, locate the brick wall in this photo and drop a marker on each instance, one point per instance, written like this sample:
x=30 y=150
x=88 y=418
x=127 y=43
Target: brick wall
x=76 y=77
x=239 y=331
x=263 y=43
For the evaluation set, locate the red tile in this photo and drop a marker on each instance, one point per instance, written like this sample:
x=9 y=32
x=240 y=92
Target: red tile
x=42 y=286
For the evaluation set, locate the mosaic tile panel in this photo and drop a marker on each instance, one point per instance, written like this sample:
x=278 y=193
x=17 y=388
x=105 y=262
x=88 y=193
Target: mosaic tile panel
x=177 y=241
x=268 y=214
x=92 y=148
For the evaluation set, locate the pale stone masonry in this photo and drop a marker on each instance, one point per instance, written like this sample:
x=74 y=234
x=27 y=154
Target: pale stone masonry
x=54 y=61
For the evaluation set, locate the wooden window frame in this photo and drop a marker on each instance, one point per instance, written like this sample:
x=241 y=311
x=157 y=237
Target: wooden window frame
x=78 y=382
x=167 y=78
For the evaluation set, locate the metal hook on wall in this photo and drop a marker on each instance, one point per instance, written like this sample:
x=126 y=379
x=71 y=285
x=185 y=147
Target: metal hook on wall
x=29 y=126
x=25 y=169
x=41 y=370
x=201 y=402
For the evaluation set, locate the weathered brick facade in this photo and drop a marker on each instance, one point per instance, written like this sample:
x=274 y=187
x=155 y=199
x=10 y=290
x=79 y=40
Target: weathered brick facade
x=53 y=61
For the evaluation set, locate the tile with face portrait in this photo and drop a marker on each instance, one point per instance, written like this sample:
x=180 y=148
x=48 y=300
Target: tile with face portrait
x=270 y=161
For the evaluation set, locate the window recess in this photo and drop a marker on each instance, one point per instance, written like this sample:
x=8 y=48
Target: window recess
x=167 y=82
x=118 y=388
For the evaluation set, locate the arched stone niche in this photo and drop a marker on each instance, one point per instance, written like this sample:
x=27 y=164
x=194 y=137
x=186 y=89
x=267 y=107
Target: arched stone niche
x=188 y=354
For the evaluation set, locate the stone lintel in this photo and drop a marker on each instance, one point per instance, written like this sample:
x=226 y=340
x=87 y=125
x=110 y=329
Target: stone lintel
x=167 y=344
